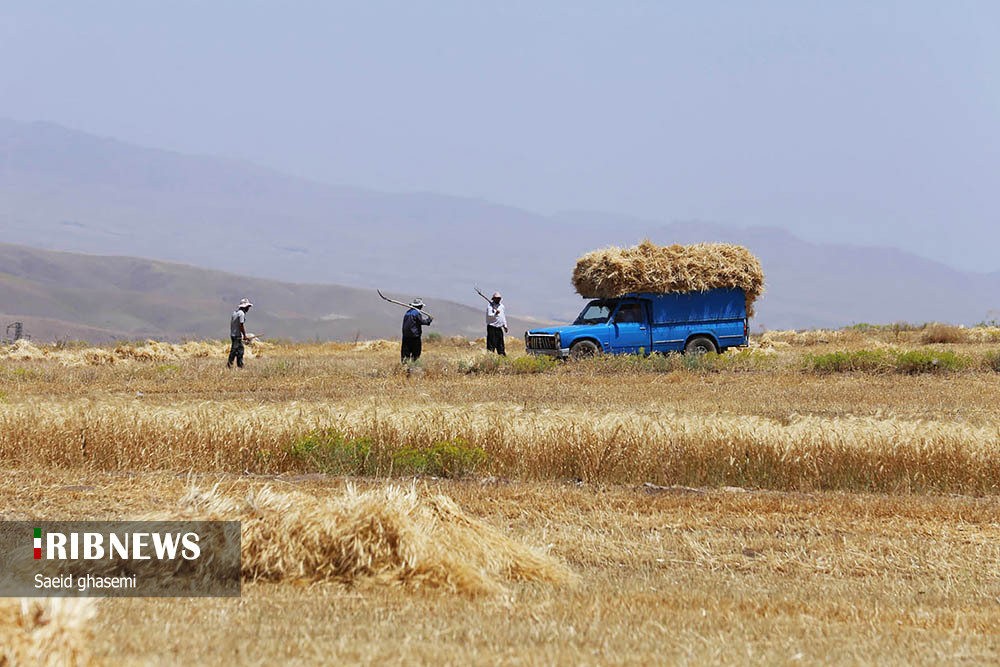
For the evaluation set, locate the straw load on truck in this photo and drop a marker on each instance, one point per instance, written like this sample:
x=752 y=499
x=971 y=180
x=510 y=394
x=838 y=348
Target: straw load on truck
x=648 y=299
x=647 y=267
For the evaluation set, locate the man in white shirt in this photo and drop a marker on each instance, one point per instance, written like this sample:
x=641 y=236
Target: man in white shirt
x=496 y=325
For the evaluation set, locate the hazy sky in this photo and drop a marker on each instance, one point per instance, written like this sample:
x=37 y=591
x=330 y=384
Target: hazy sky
x=864 y=122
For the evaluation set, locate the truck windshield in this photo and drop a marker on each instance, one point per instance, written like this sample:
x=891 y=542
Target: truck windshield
x=596 y=312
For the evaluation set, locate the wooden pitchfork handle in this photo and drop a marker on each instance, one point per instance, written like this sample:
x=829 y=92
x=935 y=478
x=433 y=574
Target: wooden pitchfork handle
x=488 y=300
x=398 y=303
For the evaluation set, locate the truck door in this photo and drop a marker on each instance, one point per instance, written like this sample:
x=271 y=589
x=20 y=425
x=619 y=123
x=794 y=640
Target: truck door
x=630 y=329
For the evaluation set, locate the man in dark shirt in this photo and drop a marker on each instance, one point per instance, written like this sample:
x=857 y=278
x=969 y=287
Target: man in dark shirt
x=413 y=323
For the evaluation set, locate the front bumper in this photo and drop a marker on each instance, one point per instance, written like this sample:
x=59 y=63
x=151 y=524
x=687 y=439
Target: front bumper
x=561 y=353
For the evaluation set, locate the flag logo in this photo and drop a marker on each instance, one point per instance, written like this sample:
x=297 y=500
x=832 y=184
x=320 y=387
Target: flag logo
x=38 y=543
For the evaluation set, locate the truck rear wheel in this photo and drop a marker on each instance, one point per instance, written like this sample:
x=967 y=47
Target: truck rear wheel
x=583 y=349
x=699 y=345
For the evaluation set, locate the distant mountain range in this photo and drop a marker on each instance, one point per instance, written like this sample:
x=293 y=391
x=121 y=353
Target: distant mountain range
x=63 y=296
x=66 y=190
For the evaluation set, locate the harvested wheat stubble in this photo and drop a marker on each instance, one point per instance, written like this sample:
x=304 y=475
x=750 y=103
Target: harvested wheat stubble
x=611 y=272
x=46 y=631
x=386 y=535
x=151 y=350
x=379 y=344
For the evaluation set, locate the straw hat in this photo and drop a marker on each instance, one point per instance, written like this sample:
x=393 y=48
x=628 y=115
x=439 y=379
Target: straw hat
x=496 y=295
x=417 y=303
x=245 y=303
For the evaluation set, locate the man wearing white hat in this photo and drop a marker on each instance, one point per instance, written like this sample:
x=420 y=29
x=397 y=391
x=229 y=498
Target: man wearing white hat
x=496 y=325
x=413 y=323
x=238 y=333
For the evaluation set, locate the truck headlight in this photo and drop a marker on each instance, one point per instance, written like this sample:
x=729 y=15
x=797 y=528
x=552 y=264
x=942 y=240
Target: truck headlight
x=558 y=341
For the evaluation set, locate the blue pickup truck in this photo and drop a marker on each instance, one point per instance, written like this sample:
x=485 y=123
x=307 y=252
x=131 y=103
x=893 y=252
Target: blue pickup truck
x=643 y=323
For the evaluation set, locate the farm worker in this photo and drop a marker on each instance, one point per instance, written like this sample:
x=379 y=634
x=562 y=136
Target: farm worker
x=413 y=323
x=496 y=325
x=238 y=333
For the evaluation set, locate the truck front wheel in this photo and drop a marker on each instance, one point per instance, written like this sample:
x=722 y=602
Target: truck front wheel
x=699 y=345
x=583 y=349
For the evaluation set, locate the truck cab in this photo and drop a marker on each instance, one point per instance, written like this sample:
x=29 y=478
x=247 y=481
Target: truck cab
x=645 y=322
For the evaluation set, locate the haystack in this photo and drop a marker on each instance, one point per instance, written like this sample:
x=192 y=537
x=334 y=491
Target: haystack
x=647 y=267
x=386 y=535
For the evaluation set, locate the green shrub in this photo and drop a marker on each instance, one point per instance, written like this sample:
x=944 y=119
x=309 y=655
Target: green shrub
x=884 y=361
x=869 y=361
x=446 y=458
x=486 y=364
x=329 y=452
x=434 y=337
x=531 y=364
x=930 y=361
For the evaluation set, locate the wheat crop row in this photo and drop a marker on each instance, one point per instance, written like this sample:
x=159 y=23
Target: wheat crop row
x=803 y=452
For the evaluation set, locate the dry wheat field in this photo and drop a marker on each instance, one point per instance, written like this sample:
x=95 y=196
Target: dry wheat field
x=822 y=497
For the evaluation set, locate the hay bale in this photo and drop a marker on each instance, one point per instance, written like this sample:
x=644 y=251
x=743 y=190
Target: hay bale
x=647 y=267
x=53 y=631
x=386 y=535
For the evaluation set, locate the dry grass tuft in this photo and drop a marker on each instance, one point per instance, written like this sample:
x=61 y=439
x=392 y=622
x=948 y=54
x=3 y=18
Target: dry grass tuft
x=944 y=333
x=983 y=334
x=647 y=267
x=384 y=535
x=53 y=631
